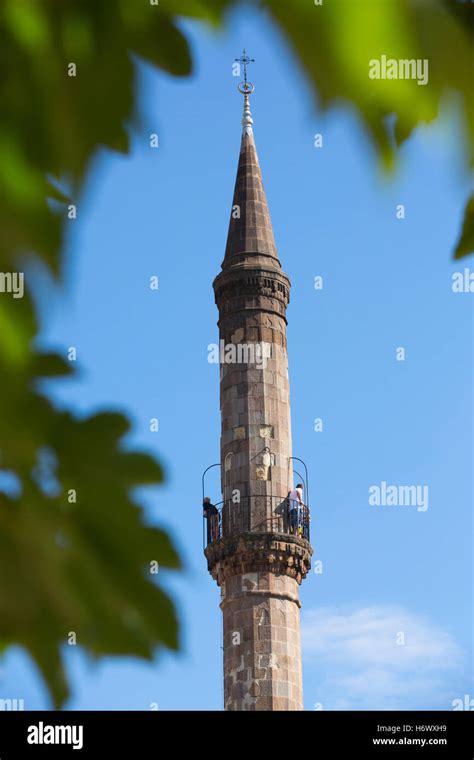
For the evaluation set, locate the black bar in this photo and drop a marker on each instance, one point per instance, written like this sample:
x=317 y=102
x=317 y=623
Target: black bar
x=321 y=734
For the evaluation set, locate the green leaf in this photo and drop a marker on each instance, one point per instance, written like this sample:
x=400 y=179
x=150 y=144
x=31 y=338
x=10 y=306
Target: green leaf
x=336 y=41
x=74 y=545
x=465 y=244
x=168 y=48
x=50 y=365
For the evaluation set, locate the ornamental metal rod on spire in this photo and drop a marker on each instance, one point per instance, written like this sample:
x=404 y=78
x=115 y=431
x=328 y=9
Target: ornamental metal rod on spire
x=247 y=120
x=246 y=88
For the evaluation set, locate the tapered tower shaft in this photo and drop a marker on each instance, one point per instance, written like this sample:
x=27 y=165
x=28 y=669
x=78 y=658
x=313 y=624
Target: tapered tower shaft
x=258 y=557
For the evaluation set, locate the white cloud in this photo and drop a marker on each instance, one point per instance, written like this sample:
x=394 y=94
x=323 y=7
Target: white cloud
x=355 y=660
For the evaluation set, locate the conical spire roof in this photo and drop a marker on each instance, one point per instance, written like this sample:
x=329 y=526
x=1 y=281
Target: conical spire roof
x=250 y=237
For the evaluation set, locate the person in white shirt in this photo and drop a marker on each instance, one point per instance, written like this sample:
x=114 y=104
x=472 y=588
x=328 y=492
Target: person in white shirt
x=296 y=504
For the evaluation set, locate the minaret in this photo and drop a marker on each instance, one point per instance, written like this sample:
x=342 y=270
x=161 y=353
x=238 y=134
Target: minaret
x=257 y=558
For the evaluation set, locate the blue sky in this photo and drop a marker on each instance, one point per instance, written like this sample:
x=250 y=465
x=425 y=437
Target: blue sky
x=386 y=284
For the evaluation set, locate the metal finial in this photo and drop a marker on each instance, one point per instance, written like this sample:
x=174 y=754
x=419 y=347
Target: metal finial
x=245 y=87
x=247 y=120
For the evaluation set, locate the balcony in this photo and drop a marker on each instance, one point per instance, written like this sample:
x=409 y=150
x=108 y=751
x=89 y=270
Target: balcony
x=251 y=515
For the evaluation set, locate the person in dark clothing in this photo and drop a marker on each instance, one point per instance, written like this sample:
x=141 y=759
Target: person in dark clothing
x=211 y=513
x=305 y=522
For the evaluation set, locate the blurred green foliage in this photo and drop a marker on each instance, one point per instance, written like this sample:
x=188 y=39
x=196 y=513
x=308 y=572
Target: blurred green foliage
x=75 y=553
x=335 y=42
x=84 y=566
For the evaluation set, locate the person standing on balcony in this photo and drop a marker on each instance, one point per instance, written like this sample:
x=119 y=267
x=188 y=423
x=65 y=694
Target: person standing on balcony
x=211 y=513
x=296 y=506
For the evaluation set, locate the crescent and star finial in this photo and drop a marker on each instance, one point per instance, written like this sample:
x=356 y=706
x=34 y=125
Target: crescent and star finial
x=246 y=88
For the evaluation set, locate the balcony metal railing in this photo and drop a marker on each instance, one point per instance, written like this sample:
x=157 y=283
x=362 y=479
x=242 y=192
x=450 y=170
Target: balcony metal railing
x=251 y=515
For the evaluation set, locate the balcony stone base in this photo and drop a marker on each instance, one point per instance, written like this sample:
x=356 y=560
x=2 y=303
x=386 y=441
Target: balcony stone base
x=280 y=554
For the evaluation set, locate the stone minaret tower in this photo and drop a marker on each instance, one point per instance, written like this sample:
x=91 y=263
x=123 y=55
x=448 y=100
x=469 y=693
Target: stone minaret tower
x=256 y=557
